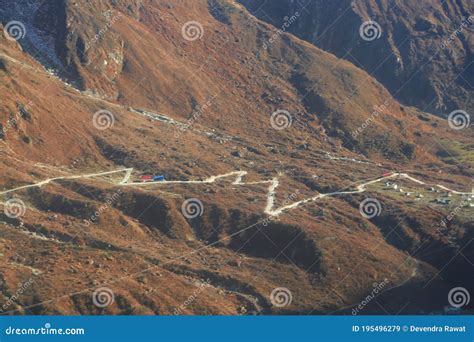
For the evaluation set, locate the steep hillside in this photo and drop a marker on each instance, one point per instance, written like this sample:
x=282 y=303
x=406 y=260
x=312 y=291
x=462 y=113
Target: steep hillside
x=269 y=147
x=139 y=55
x=422 y=51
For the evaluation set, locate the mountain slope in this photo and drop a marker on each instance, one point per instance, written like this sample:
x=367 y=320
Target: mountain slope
x=194 y=111
x=422 y=51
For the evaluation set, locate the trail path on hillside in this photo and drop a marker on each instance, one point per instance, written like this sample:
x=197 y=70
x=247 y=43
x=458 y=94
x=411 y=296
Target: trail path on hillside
x=239 y=176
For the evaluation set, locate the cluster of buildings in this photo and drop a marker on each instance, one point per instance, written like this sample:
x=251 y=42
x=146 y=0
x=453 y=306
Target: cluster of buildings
x=444 y=198
x=396 y=187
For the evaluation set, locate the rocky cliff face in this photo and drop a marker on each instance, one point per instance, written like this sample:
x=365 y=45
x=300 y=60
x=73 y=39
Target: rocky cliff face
x=422 y=51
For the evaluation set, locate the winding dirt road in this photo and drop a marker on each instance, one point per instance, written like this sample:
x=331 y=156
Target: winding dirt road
x=239 y=176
